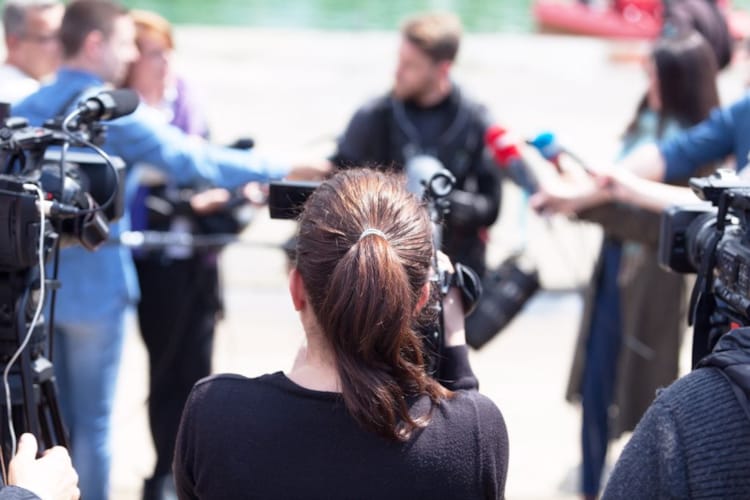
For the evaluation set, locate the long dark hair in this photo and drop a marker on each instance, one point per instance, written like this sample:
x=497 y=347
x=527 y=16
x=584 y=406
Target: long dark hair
x=686 y=70
x=365 y=290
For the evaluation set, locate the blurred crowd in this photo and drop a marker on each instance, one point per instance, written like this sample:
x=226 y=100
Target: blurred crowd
x=361 y=382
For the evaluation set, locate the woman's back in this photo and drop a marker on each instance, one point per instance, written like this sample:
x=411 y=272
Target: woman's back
x=287 y=441
x=358 y=415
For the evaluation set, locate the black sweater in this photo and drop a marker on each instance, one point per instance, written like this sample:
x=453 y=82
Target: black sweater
x=267 y=437
x=694 y=440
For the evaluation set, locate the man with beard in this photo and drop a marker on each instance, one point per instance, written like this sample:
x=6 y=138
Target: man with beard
x=427 y=114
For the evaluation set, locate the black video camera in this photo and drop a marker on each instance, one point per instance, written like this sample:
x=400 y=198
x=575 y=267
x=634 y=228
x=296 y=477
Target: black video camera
x=49 y=197
x=81 y=192
x=712 y=240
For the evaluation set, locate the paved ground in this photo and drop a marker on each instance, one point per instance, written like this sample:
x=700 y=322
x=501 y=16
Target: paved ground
x=293 y=91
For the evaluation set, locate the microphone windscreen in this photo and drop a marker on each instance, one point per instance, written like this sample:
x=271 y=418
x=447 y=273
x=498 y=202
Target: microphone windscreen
x=117 y=103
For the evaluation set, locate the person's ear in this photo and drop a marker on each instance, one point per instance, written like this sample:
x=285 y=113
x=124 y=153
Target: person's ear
x=11 y=42
x=297 y=290
x=444 y=67
x=424 y=296
x=93 y=45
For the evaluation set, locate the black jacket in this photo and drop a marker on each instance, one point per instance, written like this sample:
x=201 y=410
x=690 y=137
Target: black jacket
x=386 y=132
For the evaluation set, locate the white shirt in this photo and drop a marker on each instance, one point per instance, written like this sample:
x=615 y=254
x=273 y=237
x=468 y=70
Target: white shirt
x=15 y=84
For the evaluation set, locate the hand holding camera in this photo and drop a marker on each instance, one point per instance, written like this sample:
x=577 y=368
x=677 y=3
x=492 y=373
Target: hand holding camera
x=50 y=477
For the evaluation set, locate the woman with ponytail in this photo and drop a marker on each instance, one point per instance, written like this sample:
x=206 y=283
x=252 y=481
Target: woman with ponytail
x=357 y=416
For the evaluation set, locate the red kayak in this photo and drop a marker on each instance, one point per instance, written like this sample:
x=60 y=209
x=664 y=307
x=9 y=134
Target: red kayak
x=630 y=20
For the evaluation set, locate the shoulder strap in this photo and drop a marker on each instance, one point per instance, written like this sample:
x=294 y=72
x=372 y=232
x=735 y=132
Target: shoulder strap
x=739 y=392
x=460 y=135
x=734 y=366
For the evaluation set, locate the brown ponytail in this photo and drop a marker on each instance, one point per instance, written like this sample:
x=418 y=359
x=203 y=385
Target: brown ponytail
x=364 y=291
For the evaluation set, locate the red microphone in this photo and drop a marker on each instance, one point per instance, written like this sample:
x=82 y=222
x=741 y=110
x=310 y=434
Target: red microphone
x=508 y=157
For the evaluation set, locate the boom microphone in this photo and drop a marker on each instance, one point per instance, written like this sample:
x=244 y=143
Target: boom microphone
x=508 y=157
x=108 y=105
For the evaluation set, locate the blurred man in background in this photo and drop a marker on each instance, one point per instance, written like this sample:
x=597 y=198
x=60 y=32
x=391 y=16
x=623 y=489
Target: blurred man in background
x=32 y=46
x=427 y=114
x=98 y=288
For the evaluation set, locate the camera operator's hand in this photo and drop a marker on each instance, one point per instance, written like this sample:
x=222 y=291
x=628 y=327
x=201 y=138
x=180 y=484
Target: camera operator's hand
x=256 y=193
x=310 y=171
x=51 y=477
x=453 y=309
x=209 y=201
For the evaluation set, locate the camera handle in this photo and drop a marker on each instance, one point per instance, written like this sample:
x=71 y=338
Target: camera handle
x=703 y=303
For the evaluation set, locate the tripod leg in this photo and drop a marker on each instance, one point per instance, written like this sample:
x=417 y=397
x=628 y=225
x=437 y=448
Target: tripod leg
x=53 y=417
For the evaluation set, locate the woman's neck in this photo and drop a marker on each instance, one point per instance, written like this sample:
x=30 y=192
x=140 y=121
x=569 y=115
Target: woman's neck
x=315 y=366
x=152 y=95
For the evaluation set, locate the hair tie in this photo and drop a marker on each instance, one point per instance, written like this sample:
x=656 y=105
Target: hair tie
x=369 y=231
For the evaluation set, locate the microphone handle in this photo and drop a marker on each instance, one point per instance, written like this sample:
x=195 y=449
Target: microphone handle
x=522 y=175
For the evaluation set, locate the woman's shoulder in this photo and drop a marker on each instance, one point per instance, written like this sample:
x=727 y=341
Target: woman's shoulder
x=229 y=388
x=470 y=408
x=476 y=427
x=226 y=379
x=483 y=405
x=698 y=398
x=216 y=388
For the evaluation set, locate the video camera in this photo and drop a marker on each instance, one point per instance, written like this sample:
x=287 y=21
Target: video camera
x=81 y=195
x=713 y=240
x=49 y=197
x=429 y=180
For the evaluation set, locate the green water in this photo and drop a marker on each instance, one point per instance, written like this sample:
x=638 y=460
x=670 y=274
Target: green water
x=477 y=15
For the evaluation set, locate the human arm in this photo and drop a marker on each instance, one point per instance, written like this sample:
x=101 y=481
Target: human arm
x=573 y=195
x=475 y=200
x=683 y=155
x=480 y=207
x=17 y=493
x=50 y=477
x=142 y=137
x=455 y=371
x=672 y=160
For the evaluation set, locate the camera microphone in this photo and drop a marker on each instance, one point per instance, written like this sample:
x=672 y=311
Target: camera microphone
x=108 y=105
x=508 y=157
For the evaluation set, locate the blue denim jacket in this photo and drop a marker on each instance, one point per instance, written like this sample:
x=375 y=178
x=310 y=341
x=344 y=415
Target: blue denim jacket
x=94 y=284
x=725 y=132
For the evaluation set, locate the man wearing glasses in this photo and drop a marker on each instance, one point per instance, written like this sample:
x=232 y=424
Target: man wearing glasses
x=32 y=46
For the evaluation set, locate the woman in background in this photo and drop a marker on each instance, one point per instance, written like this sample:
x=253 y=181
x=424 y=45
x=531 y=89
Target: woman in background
x=180 y=292
x=634 y=312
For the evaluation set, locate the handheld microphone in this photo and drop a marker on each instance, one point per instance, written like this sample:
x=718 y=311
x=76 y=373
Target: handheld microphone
x=551 y=150
x=508 y=157
x=108 y=105
x=547 y=145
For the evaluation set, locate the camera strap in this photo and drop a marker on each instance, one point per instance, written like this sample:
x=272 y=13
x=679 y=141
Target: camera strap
x=732 y=358
x=468 y=283
x=455 y=143
x=703 y=302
